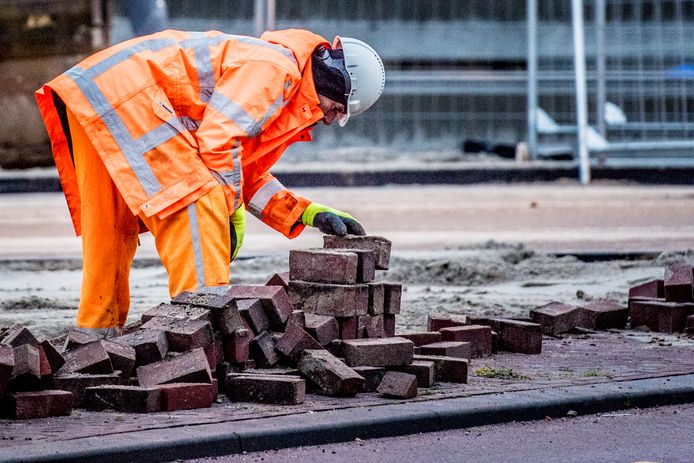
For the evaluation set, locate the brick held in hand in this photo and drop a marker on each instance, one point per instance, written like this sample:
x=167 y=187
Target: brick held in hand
x=150 y=345
x=77 y=384
x=375 y=243
x=423 y=337
x=447 y=369
x=186 y=396
x=329 y=373
x=262 y=350
x=323 y=328
x=398 y=385
x=188 y=367
x=274 y=389
x=678 y=282
x=178 y=311
x=651 y=289
x=667 y=317
x=378 y=352
x=16 y=335
x=125 y=399
x=424 y=370
x=294 y=341
x=88 y=358
x=274 y=299
x=182 y=335
x=40 y=404
x=279 y=279
x=323 y=266
x=454 y=349
x=479 y=337
x=603 y=315
x=253 y=313
x=330 y=299
x=556 y=317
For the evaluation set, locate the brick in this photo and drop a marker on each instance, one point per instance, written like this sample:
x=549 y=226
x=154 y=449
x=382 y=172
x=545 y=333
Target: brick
x=78 y=383
x=392 y=298
x=298 y=317
x=274 y=299
x=122 y=357
x=253 y=313
x=423 y=337
x=603 y=315
x=362 y=322
x=262 y=349
x=178 y=311
x=126 y=399
x=398 y=385
x=375 y=328
x=479 y=337
x=88 y=358
x=447 y=369
x=323 y=328
x=187 y=396
x=376 y=243
x=150 y=345
x=188 y=367
x=294 y=341
x=215 y=351
x=330 y=299
x=423 y=370
x=678 y=283
x=556 y=318
x=182 y=335
x=274 y=389
x=224 y=313
x=495 y=342
x=323 y=266
x=454 y=349
x=279 y=279
x=329 y=373
x=515 y=335
x=667 y=317
x=378 y=352
x=336 y=347
x=236 y=346
x=650 y=289
x=76 y=338
x=377 y=294
x=55 y=358
x=41 y=404
x=6 y=366
x=26 y=361
x=348 y=327
x=372 y=377
x=689 y=324
x=389 y=325
x=16 y=335
x=436 y=322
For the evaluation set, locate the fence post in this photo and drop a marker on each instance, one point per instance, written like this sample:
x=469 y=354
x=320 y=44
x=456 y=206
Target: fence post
x=581 y=92
x=600 y=61
x=531 y=15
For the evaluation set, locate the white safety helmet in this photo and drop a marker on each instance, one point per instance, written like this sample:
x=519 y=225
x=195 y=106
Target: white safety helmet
x=366 y=73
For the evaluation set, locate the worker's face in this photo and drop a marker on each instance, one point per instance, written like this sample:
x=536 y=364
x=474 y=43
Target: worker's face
x=330 y=108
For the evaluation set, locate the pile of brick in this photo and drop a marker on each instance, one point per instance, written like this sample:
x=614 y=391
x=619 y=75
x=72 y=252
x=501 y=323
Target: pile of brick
x=325 y=325
x=557 y=318
x=665 y=305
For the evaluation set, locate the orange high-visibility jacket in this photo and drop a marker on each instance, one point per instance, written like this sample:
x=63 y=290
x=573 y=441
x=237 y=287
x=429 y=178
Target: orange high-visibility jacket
x=175 y=113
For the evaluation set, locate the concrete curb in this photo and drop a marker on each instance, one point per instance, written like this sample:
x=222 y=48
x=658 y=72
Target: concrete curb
x=344 y=425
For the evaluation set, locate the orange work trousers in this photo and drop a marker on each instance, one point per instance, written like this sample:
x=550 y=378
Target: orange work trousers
x=193 y=243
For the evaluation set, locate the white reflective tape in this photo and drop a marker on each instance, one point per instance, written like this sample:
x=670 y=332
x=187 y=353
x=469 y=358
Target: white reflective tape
x=197 y=247
x=262 y=197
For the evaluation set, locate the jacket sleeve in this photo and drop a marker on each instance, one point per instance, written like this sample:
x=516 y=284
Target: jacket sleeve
x=248 y=96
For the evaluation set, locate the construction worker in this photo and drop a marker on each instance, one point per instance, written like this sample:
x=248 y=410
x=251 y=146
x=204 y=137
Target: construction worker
x=175 y=133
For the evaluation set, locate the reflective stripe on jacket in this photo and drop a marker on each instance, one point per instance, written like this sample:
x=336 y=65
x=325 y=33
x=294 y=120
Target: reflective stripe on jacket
x=175 y=113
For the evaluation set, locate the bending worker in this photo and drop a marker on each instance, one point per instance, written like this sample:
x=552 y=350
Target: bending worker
x=175 y=133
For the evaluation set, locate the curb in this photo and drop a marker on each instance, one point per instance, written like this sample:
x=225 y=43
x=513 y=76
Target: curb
x=208 y=440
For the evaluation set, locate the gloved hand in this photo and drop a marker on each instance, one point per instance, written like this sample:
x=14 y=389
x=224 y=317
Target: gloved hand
x=237 y=230
x=331 y=221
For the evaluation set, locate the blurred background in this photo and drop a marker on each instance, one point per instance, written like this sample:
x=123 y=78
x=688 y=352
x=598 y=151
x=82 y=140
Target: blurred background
x=606 y=80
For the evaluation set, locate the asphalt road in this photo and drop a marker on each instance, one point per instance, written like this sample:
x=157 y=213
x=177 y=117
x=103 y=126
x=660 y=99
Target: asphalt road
x=662 y=434
x=560 y=216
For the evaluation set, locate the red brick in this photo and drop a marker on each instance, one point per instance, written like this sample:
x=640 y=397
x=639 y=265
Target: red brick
x=375 y=328
x=335 y=347
x=348 y=327
x=298 y=317
x=182 y=335
x=215 y=351
x=55 y=358
x=667 y=317
x=279 y=279
x=323 y=328
x=122 y=357
x=479 y=337
x=262 y=349
x=424 y=370
x=89 y=358
x=330 y=299
x=275 y=389
x=78 y=383
x=294 y=341
x=436 y=322
x=186 y=396
x=377 y=294
x=372 y=377
x=423 y=337
x=362 y=322
x=689 y=324
x=447 y=369
x=236 y=346
x=495 y=342
x=253 y=313
x=41 y=404
x=188 y=367
x=274 y=300
x=376 y=243
x=556 y=318
x=678 y=283
x=126 y=399
x=329 y=373
x=76 y=338
x=389 y=326
x=650 y=289
x=398 y=385
x=603 y=315
x=515 y=335
x=378 y=352
x=26 y=361
x=323 y=266
x=6 y=366
x=150 y=345
x=16 y=335
x=178 y=311
x=224 y=313
x=447 y=349
x=392 y=298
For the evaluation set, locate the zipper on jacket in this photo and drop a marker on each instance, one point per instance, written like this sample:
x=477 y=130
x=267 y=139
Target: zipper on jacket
x=161 y=103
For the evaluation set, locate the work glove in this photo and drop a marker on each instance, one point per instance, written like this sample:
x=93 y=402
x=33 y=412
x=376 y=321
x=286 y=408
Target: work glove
x=331 y=221
x=237 y=230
